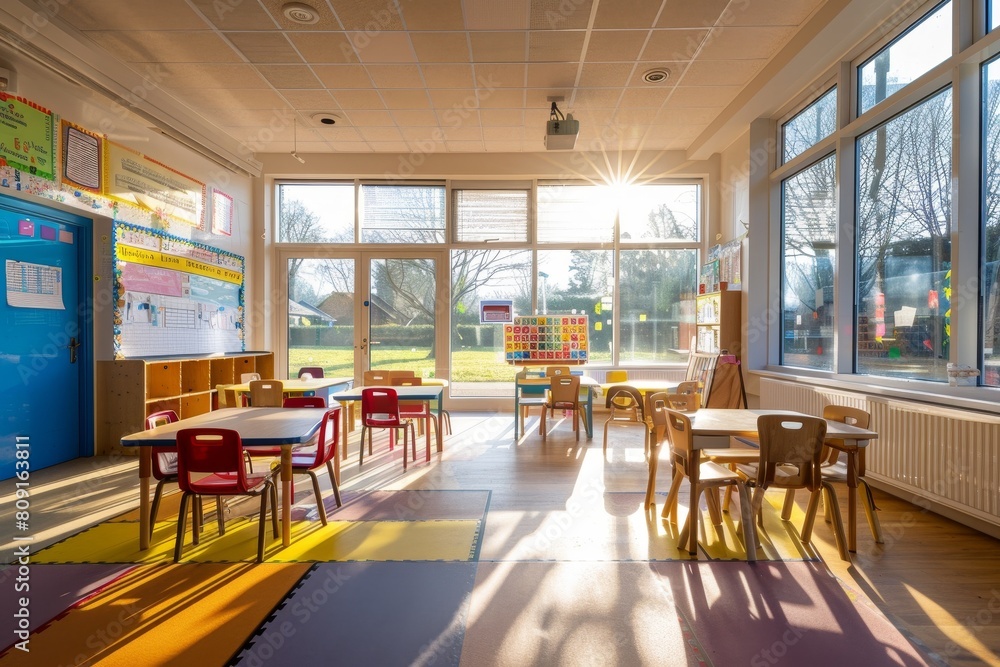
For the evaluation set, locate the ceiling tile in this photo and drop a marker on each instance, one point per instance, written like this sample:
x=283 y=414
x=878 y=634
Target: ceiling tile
x=675 y=69
x=560 y=14
x=238 y=16
x=326 y=47
x=502 y=98
x=394 y=76
x=501 y=117
x=605 y=74
x=326 y=21
x=615 y=45
x=358 y=99
x=551 y=76
x=441 y=47
x=446 y=99
x=687 y=14
x=433 y=15
x=289 y=76
x=496 y=14
x=389 y=146
x=466 y=146
x=406 y=99
x=626 y=14
x=368 y=118
x=174 y=46
x=772 y=12
x=691 y=116
x=722 y=72
x=447 y=76
x=503 y=133
x=335 y=134
x=194 y=75
x=503 y=147
x=383 y=47
x=422 y=134
x=414 y=118
x=674 y=44
x=555 y=46
x=501 y=76
x=380 y=134
x=538 y=98
x=702 y=96
x=367 y=16
x=251 y=98
x=104 y=15
x=465 y=133
x=645 y=97
x=309 y=99
x=426 y=145
x=748 y=43
x=598 y=97
x=498 y=47
x=264 y=47
x=233 y=116
x=343 y=76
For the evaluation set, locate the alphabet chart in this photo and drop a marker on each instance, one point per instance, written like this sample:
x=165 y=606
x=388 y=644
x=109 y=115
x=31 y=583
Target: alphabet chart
x=546 y=338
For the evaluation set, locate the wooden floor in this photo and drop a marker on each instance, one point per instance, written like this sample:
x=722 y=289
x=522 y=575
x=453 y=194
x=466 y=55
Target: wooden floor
x=936 y=579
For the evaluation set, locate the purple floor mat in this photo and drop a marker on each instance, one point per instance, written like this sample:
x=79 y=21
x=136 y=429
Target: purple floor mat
x=795 y=613
x=369 y=614
x=52 y=589
x=401 y=506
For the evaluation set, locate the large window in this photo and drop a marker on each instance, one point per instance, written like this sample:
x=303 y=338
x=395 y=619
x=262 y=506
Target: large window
x=810 y=126
x=316 y=212
x=656 y=316
x=575 y=214
x=915 y=52
x=904 y=243
x=491 y=215
x=990 y=279
x=580 y=281
x=808 y=258
x=651 y=213
x=402 y=213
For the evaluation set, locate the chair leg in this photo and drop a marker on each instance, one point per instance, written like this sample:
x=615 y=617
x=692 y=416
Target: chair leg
x=220 y=515
x=274 y=508
x=361 y=456
x=807 y=526
x=606 y=424
x=576 y=422
x=405 y=444
x=786 y=508
x=837 y=521
x=156 y=505
x=263 y=522
x=670 y=508
x=871 y=511
x=437 y=427
x=333 y=481
x=689 y=533
x=181 y=526
x=319 y=496
x=541 y=422
x=197 y=517
x=446 y=417
x=757 y=504
x=651 y=484
x=749 y=527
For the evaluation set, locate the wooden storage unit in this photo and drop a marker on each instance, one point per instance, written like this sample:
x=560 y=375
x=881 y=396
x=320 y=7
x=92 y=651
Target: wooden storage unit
x=130 y=389
x=718 y=322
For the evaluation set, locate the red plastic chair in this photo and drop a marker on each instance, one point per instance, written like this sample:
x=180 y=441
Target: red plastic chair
x=306 y=463
x=304 y=402
x=164 y=462
x=418 y=410
x=380 y=409
x=210 y=462
x=312 y=371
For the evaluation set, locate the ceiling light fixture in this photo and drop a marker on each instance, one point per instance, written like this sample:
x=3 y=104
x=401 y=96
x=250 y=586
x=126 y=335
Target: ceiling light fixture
x=656 y=75
x=295 y=143
x=299 y=12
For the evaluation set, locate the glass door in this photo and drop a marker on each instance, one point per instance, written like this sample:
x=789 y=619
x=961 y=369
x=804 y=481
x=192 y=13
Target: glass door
x=354 y=311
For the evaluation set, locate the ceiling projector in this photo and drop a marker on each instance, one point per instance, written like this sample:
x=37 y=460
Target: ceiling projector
x=560 y=133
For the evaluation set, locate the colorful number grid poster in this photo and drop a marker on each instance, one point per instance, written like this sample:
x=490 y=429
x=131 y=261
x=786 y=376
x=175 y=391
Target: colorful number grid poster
x=546 y=339
x=26 y=139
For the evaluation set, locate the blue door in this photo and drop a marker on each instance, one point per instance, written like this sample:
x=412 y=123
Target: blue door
x=44 y=339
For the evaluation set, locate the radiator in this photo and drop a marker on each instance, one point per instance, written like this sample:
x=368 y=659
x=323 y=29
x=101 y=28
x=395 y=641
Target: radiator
x=947 y=455
x=663 y=373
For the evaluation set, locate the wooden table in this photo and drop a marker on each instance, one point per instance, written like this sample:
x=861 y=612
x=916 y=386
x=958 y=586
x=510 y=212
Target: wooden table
x=319 y=386
x=590 y=384
x=422 y=392
x=712 y=427
x=644 y=386
x=256 y=426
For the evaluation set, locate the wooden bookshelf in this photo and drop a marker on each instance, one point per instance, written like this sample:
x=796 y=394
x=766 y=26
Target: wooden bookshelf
x=718 y=323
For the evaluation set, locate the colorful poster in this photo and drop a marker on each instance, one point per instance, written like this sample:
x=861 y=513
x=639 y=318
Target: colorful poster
x=222 y=213
x=82 y=158
x=133 y=178
x=547 y=338
x=26 y=136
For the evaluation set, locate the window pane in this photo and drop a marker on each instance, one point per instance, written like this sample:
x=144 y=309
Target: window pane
x=913 y=53
x=478 y=367
x=491 y=215
x=321 y=315
x=402 y=315
x=316 y=213
x=575 y=214
x=402 y=213
x=660 y=213
x=991 y=220
x=580 y=281
x=904 y=243
x=994 y=13
x=657 y=290
x=814 y=123
x=809 y=241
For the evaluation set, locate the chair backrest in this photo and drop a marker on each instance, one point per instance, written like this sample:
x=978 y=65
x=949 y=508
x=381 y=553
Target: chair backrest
x=624 y=397
x=795 y=444
x=616 y=377
x=406 y=380
x=553 y=371
x=690 y=388
x=210 y=450
x=327 y=439
x=166 y=457
x=679 y=430
x=311 y=371
x=564 y=389
x=160 y=418
x=304 y=402
x=376 y=378
x=845 y=415
x=683 y=402
x=227 y=397
x=656 y=414
x=534 y=390
x=249 y=377
x=266 y=393
x=725 y=390
x=401 y=374
x=379 y=406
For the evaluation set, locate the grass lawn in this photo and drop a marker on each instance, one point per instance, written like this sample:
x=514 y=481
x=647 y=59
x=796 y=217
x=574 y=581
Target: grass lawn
x=466 y=365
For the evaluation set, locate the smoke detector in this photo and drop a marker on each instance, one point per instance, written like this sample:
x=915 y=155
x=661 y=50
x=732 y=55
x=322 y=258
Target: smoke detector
x=299 y=12
x=326 y=119
x=656 y=75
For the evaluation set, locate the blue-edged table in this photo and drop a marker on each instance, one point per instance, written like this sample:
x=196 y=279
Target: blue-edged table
x=425 y=392
x=324 y=387
x=256 y=426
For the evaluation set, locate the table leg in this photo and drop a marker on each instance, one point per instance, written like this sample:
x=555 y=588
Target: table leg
x=852 y=498
x=349 y=406
x=590 y=414
x=286 y=495
x=440 y=434
x=145 y=472
x=517 y=411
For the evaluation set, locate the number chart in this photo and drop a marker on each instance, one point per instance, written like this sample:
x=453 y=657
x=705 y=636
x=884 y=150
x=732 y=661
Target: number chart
x=545 y=339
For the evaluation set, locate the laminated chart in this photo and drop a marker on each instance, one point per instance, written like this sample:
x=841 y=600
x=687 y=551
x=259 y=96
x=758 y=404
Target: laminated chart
x=546 y=339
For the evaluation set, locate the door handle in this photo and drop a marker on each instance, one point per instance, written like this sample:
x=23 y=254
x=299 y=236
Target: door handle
x=73 y=344
x=364 y=343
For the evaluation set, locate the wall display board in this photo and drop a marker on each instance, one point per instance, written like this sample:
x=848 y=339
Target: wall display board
x=174 y=296
x=133 y=178
x=26 y=136
x=82 y=157
x=546 y=339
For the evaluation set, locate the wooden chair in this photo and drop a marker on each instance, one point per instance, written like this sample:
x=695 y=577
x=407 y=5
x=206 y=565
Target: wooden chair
x=791 y=451
x=266 y=393
x=210 y=462
x=564 y=394
x=377 y=379
x=380 y=409
x=416 y=410
x=625 y=406
x=554 y=371
x=656 y=421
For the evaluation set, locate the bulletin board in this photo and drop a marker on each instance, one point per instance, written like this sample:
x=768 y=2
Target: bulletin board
x=547 y=339
x=174 y=296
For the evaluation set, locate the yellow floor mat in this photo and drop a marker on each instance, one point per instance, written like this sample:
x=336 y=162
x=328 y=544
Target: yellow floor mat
x=118 y=542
